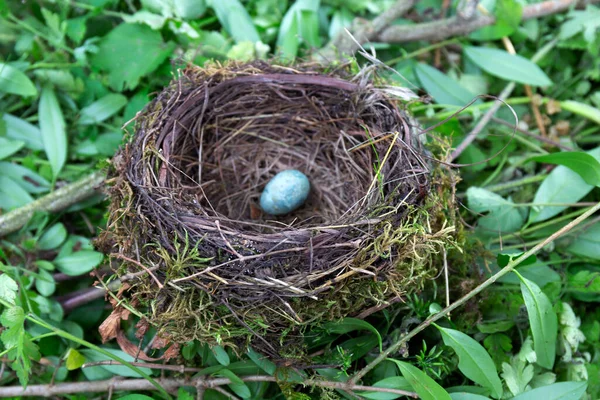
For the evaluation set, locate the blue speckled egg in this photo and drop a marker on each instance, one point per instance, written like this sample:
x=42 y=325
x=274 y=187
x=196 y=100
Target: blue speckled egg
x=284 y=193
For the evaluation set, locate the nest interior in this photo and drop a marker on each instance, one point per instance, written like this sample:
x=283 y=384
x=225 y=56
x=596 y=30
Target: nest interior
x=184 y=204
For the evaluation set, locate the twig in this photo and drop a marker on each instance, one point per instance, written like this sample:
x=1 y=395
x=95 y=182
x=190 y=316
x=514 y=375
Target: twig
x=459 y=26
x=511 y=265
x=53 y=202
x=165 y=367
x=142 y=266
x=532 y=135
x=173 y=384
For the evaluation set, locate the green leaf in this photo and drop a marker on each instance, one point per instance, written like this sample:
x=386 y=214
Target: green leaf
x=16 y=82
x=503 y=259
x=587 y=244
x=190 y=9
x=441 y=87
x=53 y=237
x=136 y=396
x=262 y=361
x=300 y=22
x=78 y=263
x=237 y=385
x=12 y=195
x=426 y=388
x=556 y=391
x=393 y=382
x=507 y=66
x=582 y=109
x=120 y=370
x=129 y=52
x=562 y=185
x=54 y=134
x=221 y=355
x=235 y=19
x=19 y=129
x=543 y=322
x=102 y=109
x=584 y=285
x=9 y=147
x=584 y=164
x=473 y=360
x=24 y=177
x=21 y=350
x=467 y=396
x=502 y=215
x=44 y=283
x=74 y=359
x=8 y=289
x=352 y=324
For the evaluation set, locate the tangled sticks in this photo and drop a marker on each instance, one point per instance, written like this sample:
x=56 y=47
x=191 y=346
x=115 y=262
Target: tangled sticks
x=185 y=204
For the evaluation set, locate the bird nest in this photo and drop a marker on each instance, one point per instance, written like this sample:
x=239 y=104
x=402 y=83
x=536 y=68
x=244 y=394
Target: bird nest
x=208 y=264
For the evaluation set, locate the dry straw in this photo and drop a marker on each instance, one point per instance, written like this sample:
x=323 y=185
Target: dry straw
x=185 y=204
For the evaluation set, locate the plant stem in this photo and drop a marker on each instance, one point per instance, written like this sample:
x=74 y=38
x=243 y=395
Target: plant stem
x=511 y=265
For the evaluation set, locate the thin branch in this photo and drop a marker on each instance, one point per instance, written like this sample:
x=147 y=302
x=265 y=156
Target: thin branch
x=511 y=265
x=459 y=26
x=173 y=384
x=532 y=135
x=56 y=201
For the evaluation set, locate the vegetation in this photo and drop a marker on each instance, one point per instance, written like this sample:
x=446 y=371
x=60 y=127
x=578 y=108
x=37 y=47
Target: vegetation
x=513 y=86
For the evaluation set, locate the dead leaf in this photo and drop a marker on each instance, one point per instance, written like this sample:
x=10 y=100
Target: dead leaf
x=172 y=352
x=131 y=349
x=142 y=327
x=111 y=325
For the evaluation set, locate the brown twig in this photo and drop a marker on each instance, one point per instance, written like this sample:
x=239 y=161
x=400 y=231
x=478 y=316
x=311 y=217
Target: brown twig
x=532 y=135
x=173 y=384
x=511 y=265
x=142 y=266
x=459 y=26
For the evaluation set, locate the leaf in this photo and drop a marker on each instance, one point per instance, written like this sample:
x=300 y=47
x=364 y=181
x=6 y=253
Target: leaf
x=587 y=244
x=426 y=388
x=473 y=360
x=74 y=360
x=300 y=22
x=393 y=382
x=503 y=216
x=14 y=81
x=237 y=385
x=562 y=185
x=52 y=126
x=78 y=263
x=584 y=285
x=582 y=109
x=507 y=66
x=441 y=87
x=556 y=391
x=9 y=147
x=235 y=19
x=120 y=370
x=136 y=396
x=8 y=289
x=129 y=52
x=467 y=396
x=18 y=343
x=543 y=322
x=584 y=164
x=24 y=177
x=19 y=129
x=102 y=109
x=262 y=361
x=221 y=355
x=190 y=9
x=12 y=195
x=53 y=237
x=352 y=324
x=44 y=283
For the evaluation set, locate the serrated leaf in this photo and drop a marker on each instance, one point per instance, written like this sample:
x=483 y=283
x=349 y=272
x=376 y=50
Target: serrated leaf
x=21 y=130
x=44 y=283
x=262 y=361
x=556 y=391
x=441 y=87
x=14 y=81
x=507 y=66
x=473 y=360
x=12 y=195
x=582 y=163
x=78 y=263
x=543 y=322
x=426 y=388
x=53 y=237
x=9 y=147
x=102 y=109
x=74 y=360
x=129 y=52
x=8 y=289
x=349 y=324
x=562 y=185
x=53 y=128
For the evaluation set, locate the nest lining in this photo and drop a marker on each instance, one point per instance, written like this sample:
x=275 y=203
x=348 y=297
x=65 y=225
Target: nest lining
x=186 y=196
